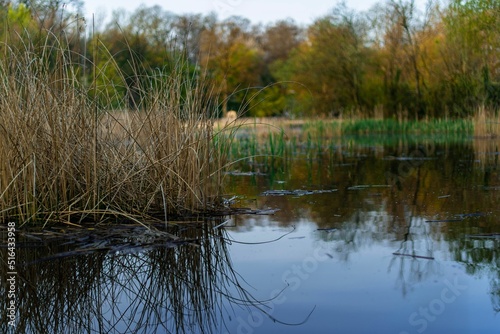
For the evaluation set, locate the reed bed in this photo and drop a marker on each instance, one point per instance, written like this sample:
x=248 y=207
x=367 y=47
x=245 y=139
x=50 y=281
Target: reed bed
x=65 y=156
x=393 y=126
x=282 y=137
x=486 y=123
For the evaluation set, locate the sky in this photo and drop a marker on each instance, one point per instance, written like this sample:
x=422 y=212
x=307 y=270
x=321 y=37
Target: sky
x=263 y=11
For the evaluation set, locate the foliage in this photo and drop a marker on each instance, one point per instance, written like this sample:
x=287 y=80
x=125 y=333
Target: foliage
x=330 y=64
x=395 y=59
x=472 y=42
x=230 y=59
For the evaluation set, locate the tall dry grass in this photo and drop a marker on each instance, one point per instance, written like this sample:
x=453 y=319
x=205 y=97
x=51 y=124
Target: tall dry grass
x=486 y=123
x=65 y=157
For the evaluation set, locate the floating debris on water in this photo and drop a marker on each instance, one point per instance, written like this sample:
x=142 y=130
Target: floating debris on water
x=443 y=220
x=297 y=192
x=415 y=256
x=470 y=215
x=458 y=217
x=484 y=236
x=221 y=224
x=327 y=229
x=229 y=201
x=238 y=173
x=491 y=188
x=390 y=157
x=243 y=211
x=367 y=186
x=123 y=239
x=444 y=196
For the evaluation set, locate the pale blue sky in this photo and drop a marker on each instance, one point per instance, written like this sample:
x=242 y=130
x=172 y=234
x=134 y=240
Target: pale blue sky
x=302 y=11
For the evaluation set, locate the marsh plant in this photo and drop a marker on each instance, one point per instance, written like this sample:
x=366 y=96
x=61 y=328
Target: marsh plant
x=486 y=123
x=67 y=155
x=160 y=288
x=273 y=138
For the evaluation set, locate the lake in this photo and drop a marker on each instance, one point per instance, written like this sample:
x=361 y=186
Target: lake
x=387 y=236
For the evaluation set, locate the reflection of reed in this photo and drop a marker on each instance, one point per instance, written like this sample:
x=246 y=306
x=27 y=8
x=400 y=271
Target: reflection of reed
x=166 y=289
x=486 y=153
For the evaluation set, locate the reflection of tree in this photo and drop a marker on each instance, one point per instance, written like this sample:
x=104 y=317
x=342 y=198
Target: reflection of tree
x=414 y=256
x=162 y=288
x=446 y=181
x=495 y=294
x=480 y=253
x=416 y=245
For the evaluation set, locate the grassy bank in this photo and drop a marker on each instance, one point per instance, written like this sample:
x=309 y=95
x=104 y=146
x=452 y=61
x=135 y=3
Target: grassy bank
x=280 y=137
x=64 y=157
x=332 y=128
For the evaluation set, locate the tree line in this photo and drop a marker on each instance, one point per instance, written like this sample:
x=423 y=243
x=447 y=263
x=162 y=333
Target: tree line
x=394 y=60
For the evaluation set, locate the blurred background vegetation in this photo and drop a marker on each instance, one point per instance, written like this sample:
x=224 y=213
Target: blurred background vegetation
x=393 y=61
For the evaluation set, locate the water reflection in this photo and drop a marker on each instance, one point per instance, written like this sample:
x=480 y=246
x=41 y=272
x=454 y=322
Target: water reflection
x=439 y=215
x=166 y=289
x=402 y=227
x=435 y=181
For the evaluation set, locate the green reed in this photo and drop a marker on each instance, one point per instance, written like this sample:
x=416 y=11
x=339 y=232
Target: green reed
x=318 y=137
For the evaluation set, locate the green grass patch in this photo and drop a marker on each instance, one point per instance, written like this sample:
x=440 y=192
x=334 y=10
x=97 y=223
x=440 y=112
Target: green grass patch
x=392 y=126
x=318 y=137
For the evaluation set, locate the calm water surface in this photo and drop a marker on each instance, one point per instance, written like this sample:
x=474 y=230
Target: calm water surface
x=437 y=205
x=367 y=238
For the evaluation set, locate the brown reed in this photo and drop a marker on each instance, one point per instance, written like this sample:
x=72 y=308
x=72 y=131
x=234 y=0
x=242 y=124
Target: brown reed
x=486 y=123
x=65 y=156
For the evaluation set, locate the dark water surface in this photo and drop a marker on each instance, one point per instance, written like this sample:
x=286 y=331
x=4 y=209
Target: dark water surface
x=368 y=238
x=408 y=243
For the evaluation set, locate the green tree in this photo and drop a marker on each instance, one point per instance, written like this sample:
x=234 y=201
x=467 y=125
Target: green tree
x=188 y=30
x=15 y=18
x=400 y=29
x=330 y=64
x=129 y=51
x=470 y=51
x=275 y=42
x=230 y=58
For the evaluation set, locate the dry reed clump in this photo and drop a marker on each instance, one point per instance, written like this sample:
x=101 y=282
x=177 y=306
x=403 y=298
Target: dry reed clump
x=65 y=158
x=486 y=123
